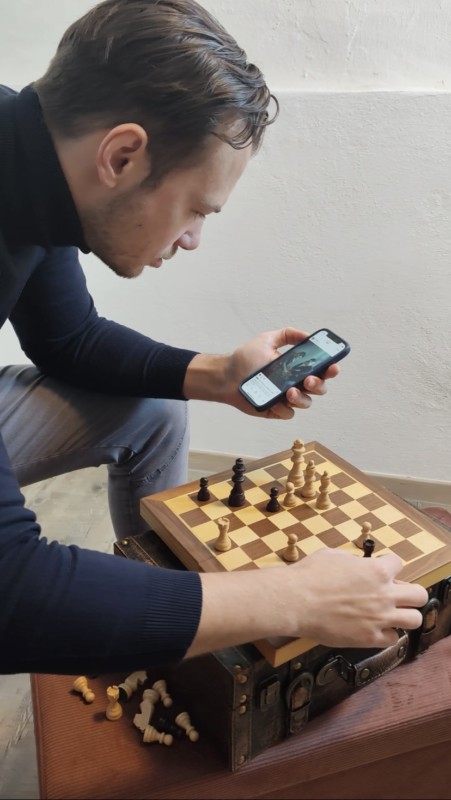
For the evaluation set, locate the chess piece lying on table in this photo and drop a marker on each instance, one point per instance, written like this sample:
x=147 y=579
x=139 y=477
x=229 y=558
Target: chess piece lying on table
x=81 y=686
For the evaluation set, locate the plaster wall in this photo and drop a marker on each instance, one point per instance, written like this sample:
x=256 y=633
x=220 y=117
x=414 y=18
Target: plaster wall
x=343 y=219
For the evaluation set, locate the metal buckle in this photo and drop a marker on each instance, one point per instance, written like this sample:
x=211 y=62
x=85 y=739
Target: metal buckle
x=337 y=667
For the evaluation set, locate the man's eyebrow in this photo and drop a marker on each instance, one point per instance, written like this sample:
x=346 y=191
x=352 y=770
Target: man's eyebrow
x=216 y=209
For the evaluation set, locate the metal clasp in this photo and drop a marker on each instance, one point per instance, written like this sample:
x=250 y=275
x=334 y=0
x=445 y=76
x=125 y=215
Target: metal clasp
x=337 y=667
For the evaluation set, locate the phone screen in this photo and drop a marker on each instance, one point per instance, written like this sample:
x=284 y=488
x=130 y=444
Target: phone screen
x=292 y=367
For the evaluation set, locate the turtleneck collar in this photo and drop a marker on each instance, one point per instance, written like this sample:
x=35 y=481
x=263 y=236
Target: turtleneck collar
x=36 y=206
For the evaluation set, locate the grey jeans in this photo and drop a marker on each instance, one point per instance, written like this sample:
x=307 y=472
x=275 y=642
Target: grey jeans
x=50 y=428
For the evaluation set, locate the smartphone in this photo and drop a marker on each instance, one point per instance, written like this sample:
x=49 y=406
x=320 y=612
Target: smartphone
x=311 y=356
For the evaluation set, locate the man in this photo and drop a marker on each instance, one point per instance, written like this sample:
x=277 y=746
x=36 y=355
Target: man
x=140 y=128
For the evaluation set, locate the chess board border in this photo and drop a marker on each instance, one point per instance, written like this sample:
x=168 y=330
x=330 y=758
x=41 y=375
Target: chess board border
x=194 y=555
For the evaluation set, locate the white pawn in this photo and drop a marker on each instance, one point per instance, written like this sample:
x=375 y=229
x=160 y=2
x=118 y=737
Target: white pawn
x=223 y=542
x=291 y=553
x=290 y=497
x=161 y=688
x=365 y=534
x=323 y=500
x=152 y=735
x=81 y=686
x=184 y=721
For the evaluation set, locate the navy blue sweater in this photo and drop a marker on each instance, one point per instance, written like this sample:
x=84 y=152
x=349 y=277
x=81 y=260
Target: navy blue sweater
x=65 y=609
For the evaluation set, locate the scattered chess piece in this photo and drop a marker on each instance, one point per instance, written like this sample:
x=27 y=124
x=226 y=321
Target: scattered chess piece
x=296 y=473
x=273 y=504
x=323 y=500
x=364 y=534
x=81 y=686
x=290 y=497
x=184 y=721
x=308 y=490
x=152 y=735
x=236 y=497
x=130 y=685
x=291 y=553
x=368 y=548
x=203 y=493
x=147 y=707
x=223 y=542
x=161 y=688
x=167 y=726
x=114 y=708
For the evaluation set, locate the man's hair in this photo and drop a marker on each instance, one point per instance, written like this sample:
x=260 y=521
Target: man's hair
x=167 y=65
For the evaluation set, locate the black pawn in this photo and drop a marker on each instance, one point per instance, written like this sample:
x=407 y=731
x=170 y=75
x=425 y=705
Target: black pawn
x=203 y=493
x=236 y=497
x=368 y=548
x=167 y=726
x=273 y=504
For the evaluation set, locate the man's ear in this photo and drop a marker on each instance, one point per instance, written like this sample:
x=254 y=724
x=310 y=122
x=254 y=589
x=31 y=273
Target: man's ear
x=122 y=160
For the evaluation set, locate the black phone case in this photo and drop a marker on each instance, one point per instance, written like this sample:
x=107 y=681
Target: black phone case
x=317 y=372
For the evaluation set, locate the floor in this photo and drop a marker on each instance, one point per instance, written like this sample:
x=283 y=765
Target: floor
x=73 y=509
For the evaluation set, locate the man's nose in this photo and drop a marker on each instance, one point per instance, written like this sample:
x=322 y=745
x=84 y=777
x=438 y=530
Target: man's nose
x=190 y=240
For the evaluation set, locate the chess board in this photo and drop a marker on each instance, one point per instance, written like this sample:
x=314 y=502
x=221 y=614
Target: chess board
x=259 y=537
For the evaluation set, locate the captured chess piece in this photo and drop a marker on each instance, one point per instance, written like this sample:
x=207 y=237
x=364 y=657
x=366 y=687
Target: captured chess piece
x=147 y=707
x=273 y=504
x=368 y=548
x=236 y=497
x=184 y=721
x=291 y=553
x=114 y=709
x=161 y=688
x=130 y=685
x=203 y=493
x=308 y=490
x=223 y=542
x=152 y=735
x=323 y=500
x=290 y=498
x=81 y=686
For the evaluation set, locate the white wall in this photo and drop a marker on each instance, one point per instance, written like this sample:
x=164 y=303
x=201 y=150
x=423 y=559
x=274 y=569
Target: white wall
x=343 y=219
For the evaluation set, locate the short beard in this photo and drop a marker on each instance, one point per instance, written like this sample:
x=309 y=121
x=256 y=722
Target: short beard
x=102 y=228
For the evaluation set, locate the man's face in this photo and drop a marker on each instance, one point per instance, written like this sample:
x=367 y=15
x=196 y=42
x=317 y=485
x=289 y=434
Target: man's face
x=143 y=226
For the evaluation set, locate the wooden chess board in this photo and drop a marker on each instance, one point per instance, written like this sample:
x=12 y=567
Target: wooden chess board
x=188 y=526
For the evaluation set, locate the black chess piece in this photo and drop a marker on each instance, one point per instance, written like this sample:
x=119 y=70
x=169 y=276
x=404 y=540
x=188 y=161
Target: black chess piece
x=273 y=504
x=203 y=493
x=368 y=548
x=168 y=726
x=236 y=497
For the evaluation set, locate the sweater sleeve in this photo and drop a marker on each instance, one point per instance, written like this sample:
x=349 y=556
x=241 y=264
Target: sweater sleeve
x=70 y=611
x=61 y=333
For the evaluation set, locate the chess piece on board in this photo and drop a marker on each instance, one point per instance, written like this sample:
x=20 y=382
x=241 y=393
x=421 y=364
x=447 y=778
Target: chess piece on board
x=147 y=707
x=273 y=504
x=223 y=542
x=364 y=534
x=291 y=553
x=296 y=473
x=81 y=686
x=290 y=498
x=152 y=735
x=130 y=685
x=114 y=708
x=184 y=721
x=236 y=497
x=308 y=490
x=203 y=493
x=368 y=548
x=161 y=688
x=323 y=500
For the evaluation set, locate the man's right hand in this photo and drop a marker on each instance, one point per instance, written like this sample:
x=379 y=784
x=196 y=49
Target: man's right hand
x=331 y=597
